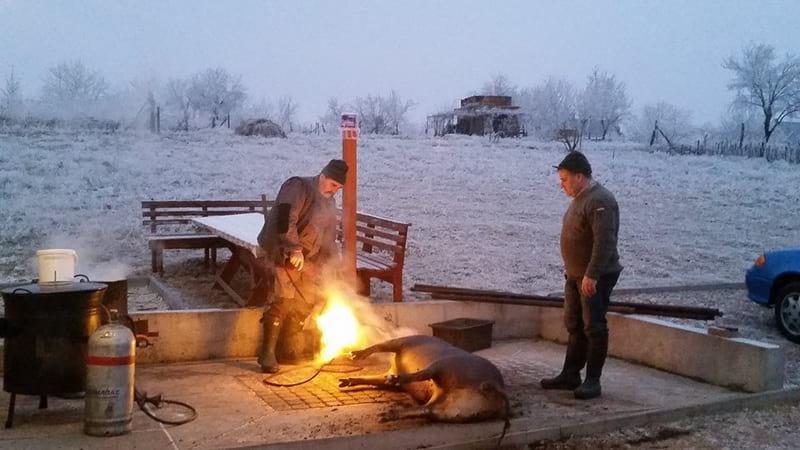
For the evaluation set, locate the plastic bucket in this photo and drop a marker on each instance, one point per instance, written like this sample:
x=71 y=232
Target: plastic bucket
x=56 y=264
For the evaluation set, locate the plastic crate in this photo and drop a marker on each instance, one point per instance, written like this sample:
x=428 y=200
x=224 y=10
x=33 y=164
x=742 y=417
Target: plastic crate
x=465 y=333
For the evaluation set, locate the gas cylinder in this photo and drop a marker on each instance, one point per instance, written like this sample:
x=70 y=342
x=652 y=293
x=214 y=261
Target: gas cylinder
x=110 y=364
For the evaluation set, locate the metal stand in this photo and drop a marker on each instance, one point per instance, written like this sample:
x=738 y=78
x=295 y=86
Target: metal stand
x=13 y=401
x=10 y=418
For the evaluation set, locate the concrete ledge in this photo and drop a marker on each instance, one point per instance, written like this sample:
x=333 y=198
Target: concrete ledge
x=200 y=334
x=738 y=363
x=196 y=335
x=528 y=430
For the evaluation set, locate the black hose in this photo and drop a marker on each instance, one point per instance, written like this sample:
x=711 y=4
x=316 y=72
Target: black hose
x=142 y=399
x=158 y=402
x=320 y=369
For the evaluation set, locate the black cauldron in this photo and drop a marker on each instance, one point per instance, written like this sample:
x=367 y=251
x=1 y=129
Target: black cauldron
x=46 y=329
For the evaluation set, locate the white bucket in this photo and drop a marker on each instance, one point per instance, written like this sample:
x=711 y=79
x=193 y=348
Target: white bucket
x=56 y=264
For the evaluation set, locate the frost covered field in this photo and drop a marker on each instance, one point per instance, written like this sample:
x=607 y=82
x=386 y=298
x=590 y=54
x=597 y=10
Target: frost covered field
x=483 y=214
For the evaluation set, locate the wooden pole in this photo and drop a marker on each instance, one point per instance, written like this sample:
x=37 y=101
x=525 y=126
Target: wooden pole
x=350 y=192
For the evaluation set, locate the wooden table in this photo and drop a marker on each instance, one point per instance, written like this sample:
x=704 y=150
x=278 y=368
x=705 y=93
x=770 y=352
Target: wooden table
x=241 y=232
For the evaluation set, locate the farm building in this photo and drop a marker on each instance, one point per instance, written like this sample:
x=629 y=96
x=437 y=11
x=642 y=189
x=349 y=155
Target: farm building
x=479 y=115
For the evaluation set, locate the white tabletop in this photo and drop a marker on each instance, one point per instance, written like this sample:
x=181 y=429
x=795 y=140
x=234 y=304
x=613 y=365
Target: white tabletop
x=240 y=229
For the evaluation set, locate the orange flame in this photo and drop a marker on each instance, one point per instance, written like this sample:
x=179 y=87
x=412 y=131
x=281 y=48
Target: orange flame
x=341 y=330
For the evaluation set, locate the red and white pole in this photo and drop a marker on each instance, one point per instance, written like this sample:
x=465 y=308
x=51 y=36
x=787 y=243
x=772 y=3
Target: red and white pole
x=350 y=191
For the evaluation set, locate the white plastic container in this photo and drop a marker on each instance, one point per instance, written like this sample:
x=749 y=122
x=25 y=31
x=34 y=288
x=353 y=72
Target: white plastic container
x=56 y=264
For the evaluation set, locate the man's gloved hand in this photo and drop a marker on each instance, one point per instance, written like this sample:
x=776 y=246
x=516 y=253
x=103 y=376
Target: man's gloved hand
x=296 y=260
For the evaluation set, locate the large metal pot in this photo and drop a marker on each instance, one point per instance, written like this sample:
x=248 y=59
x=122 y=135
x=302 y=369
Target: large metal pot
x=47 y=327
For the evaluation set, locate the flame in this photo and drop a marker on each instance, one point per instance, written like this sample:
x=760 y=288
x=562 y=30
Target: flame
x=339 y=326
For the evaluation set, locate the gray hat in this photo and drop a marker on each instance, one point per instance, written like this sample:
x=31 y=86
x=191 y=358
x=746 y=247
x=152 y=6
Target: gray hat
x=336 y=170
x=575 y=162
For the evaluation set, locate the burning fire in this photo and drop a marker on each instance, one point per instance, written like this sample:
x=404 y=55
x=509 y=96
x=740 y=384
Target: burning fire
x=339 y=326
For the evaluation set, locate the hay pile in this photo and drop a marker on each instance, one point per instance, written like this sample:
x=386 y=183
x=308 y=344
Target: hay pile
x=260 y=127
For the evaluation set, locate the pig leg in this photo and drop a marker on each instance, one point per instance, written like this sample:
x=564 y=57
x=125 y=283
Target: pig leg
x=423 y=411
x=392 y=346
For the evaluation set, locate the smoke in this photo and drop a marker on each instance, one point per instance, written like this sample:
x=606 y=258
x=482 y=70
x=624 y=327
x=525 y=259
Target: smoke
x=96 y=262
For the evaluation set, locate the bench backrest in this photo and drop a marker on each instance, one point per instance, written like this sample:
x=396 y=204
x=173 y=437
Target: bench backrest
x=180 y=212
x=378 y=234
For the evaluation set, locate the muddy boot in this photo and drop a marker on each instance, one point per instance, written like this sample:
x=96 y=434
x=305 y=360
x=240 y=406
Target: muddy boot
x=272 y=329
x=598 y=349
x=570 y=376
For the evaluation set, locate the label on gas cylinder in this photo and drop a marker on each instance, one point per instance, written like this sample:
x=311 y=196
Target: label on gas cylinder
x=104 y=392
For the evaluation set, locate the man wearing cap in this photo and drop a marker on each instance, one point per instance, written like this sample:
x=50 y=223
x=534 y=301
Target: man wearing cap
x=591 y=268
x=298 y=237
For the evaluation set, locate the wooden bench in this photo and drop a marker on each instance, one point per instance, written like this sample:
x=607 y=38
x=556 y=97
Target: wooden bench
x=169 y=220
x=380 y=252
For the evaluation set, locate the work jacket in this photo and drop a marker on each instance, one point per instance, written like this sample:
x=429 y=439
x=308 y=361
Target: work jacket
x=311 y=223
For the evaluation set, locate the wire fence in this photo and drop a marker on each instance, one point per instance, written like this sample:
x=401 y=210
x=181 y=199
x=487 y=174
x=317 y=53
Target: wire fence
x=784 y=152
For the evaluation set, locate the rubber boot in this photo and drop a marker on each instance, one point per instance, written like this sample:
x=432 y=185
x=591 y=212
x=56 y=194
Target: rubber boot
x=292 y=348
x=272 y=329
x=570 y=376
x=598 y=349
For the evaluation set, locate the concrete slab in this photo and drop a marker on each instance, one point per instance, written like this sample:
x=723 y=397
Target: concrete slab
x=234 y=412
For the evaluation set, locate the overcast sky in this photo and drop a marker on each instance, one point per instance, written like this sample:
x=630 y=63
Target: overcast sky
x=433 y=52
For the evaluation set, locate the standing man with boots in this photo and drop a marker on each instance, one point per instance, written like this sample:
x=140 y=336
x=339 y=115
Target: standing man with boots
x=299 y=238
x=591 y=268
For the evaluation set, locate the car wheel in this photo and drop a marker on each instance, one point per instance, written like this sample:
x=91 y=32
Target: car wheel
x=787 y=311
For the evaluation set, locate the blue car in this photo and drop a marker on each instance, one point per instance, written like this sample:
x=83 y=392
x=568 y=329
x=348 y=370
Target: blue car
x=774 y=281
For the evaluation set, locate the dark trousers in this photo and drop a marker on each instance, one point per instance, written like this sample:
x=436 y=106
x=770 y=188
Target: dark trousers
x=296 y=294
x=587 y=315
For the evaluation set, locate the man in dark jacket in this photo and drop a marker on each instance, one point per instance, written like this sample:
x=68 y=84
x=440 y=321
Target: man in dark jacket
x=591 y=268
x=298 y=237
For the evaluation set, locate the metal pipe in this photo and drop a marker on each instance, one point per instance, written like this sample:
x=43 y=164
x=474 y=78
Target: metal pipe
x=486 y=296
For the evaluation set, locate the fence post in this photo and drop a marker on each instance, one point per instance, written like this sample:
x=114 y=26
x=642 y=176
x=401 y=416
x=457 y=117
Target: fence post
x=741 y=136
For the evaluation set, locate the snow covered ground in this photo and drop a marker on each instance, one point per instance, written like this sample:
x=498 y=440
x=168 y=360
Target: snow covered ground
x=483 y=214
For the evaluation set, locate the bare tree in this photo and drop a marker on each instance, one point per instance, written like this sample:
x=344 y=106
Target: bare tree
x=395 y=109
x=550 y=107
x=763 y=83
x=382 y=115
x=215 y=92
x=333 y=115
x=262 y=109
x=499 y=85
x=741 y=123
x=371 y=117
x=672 y=123
x=177 y=99
x=604 y=101
x=71 y=87
x=287 y=113
x=11 y=97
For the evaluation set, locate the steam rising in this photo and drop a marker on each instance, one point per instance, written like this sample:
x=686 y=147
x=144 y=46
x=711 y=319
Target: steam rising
x=94 y=261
